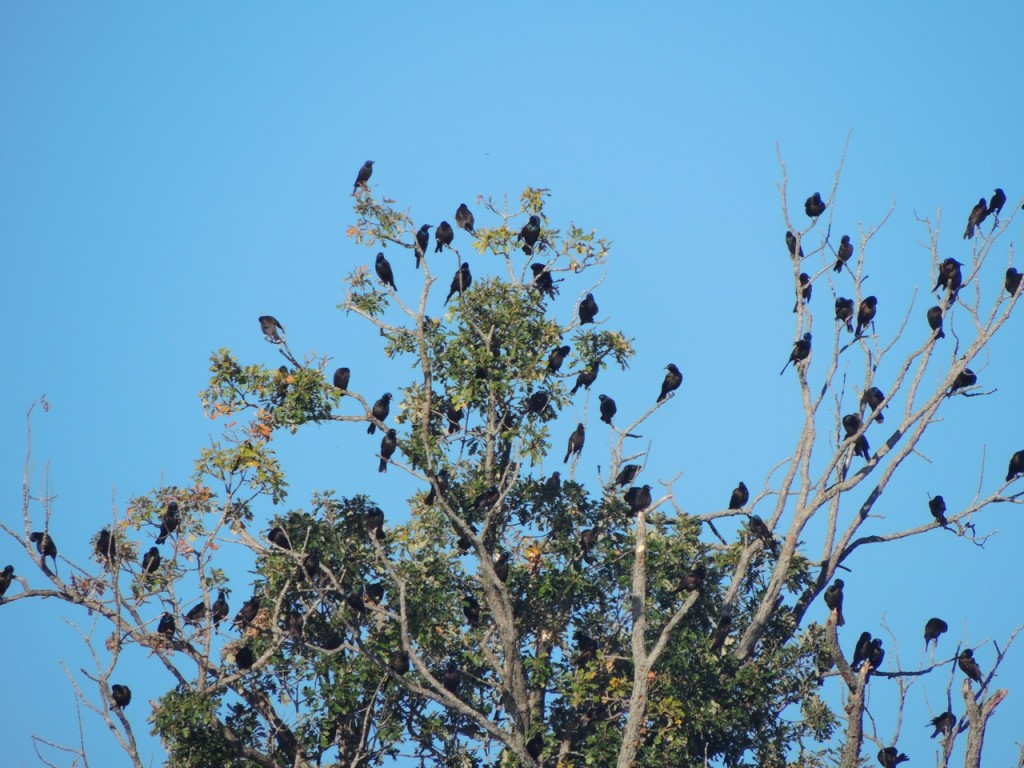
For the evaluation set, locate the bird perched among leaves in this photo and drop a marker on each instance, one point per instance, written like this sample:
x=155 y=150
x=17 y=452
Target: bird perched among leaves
x=557 y=357
x=341 y=377
x=383 y=268
x=380 y=411
x=1012 y=282
x=365 y=172
x=443 y=235
x=537 y=402
x=219 y=609
x=627 y=474
x=760 y=530
x=575 y=445
x=422 y=242
x=462 y=280
x=805 y=290
x=167 y=626
x=873 y=398
x=279 y=538
x=844 y=312
x=950 y=276
x=311 y=565
x=968 y=665
x=693 y=580
x=996 y=203
x=1016 y=466
x=935 y=322
x=978 y=214
x=814 y=206
x=890 y=757
x=671 y=381
x=944 y=724
x=740 y=496
x=122 y=696
x=106 y=546
x=464 y=218
x=6 y=577
x=844 y=253
x=866 y=314
x=373 y=521
x=388 y=444
x=608 y=409
x=801 y=351
x=471 y=610
x=451 y=677
x=269 y=326
x=587 y=309
x=247 y=612
x=585 y=378
x=937 y=506
x=542 y=280
x=151 y=560
x=196 y=614
x=529 y=234
x=933 y=628
x=45 y=546
x=399 y=663
x=638 y=498
x=834 y=601
x=169 y=522
x=861 y=651
x=501 y=567
x=791 y=244
x=244 y=658
x=721 y=632
x=441 y=481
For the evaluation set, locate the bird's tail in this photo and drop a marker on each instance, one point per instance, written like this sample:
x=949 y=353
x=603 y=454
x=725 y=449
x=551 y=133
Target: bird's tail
x=371 y=429
x=780 y=372
x=383 y=466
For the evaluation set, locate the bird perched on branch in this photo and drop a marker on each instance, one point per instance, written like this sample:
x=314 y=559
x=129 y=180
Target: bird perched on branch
x=380 y=411
x=873 y=398
x=671 y=381
x=529 y=234
x=608 y=409
x=585 y=378
x=627 y=474
x=638 y=498
x=464 y=218
x=388 y=444
x=247 y=612
x=814 y=206
x=996 y=203
x=844 y=312
x=968 y=665
x=279 y=538
x=937 y=506
x=269 y=326
x=383 y=268
x=122 y=696
x=557 y=357
x=950 y=277
x=1016 y=466
x=944 y=724
x=501 y=567
x=1012 y=282
x=834 y=600
x=852 y=425
x=791 y=244
x=167 y=626
x=422 y=242
x=861 y=651
x=543 y=281
x=890 y=757
x=935 y=322
x=587 y=309
x=575 y=445
x=866 y=314
x=740 y=496
x=760 y=530
x=806 y=288
x=443 y=235
x=462 y=280
x=151 y=560
x=6 y=577
x=45 y=546
x=843 y=254
x=801 y=351
x=365 y=172
x=978 y=214
x=341 y=378
x=966 y=378
x=933 y=628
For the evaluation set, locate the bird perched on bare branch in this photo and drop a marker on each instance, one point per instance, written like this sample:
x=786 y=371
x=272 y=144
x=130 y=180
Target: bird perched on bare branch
x=834 y=601
x=341 y=378
x=45 y=546
x=996 y=203
x=575 y=445
x=944 y=724
x=365 y=172
x=978 y=214
x=968 y=665
x=935 y=322
x=608 y=409
x=1016 y=466
x=861 y=651
x=866 y=314
x=966 y=378
x=934 y=627
x=529 y=234
x=638 y=498
x=873 y=398
x=844 y=253
x=950 y=277
x=627 y=474
x=890 y=757
x=937 y=507
x=557 y=357
x=844 y=312
x=443 y=235
x=814 y=206
x=806 y=288
x=585 y=378
x=543 y=281
x=587 y=309
x=422 y=242
x=740 y=496
x=791 y=244
x=388 y=444
x=6 y=577
x=269 y=326
x=462 y=280
x=671 y=381
x=851 y=425
x=380 y=411
x=801 y=351
x=464 y=219
x=1012 y=282
x=122 y=696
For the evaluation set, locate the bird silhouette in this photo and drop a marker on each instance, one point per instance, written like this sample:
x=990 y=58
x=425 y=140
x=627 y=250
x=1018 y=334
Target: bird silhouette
x=890 y=757
x=638 y=498
x=608 y=409
x=557 y=357
x=760 y=530
x=464 y=218
x=814 y=206
x=462 y=280
x=671 y=381
x=877 y=655
x=122 y=696
x=575 y=445
x=151 y=560
x=219 y=609
x=168 y=522
x=866 y=314
x=471 y=610
x=279 y=538
x=944 y=724
x=1016 y=466
x=441 y=481
x=388 y=444
x=721 y=632
x=106 y=547
x=585 y=378
x=529 y=234
x=1012 y=282
x=373 y=521
x=627 y=474
x=365 y=172
x=791 y=244
x=996 y=203
x=844 y=312
x=873 y=398
x=244 y=658
x=834 y=601
x=805 y=290
x=693 y=580
x=380 y=411
x=167 y=626
x=933 y=628
x=451 y=678
x=247 y=612
x=45 y=546
x=935 y=322
x=978 y=215
x=6 y=577
x=543 y=281
x=968 y=665
x=384 y=272
x=950 y=277
x=861 y=651
x=341 y=378
x=587 y=309
x=852 y=424
x=422 y=242
x=801 y=351
x=937 y=506
x=196 y=614
x=966 y=378
x=443 y=235
x=501 y=567
x=269 y=326
x=399 y=663
x=311 y=565
x=740 y=496
x=843 y=254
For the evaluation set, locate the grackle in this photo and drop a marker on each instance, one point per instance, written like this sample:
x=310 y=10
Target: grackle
x=890 y=757
x=471 y=610
x=587 y=309
x=399 y=663
x=805 y=290
x=341 y=377
x=740 y=496
x=501 y=567
x=978 y=214
x=1016 y=466
x=937 y=506
x=944 y=724
x=866 y=314
x=627 y=474
x=935 y=322
x=151 y=560
x=608 y=409
x=834 y=601
x=537 y=402
x=167 y=626
x=844 y=312
x=575 y=445
x=244 y=658
x=996 y=203
x=852 y=425
x=380 y=411
x=247 y=612
x=441 y=480
x=122 y=696
x=861 y=651
x=168 y=523
x=373 y=521
x=877 y=655
x=443 y=236
x=6 y=577
x=557 y=357
x=721 y=632
x=542 y=281
x=219 y=609
x=950 y=276
x=365 y=172
x=422 y=242
x=873 y=398
x=968 y=665
x=638 y=498
x=279 y=538
x=814 y=206
x=671 y=381
x=801 y=351
x=966 y=378
x=45 y=546
x=462 y=280
x=388 y=444
x=585 y=378
x=529 y=234
x=384 y=272
x=843 y=254
x=1012 y=282
x=934 y=627
x=464 y=218
x=791 y=244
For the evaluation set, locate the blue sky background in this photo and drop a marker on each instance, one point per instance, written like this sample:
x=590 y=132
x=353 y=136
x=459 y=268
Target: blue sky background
x=167 y=174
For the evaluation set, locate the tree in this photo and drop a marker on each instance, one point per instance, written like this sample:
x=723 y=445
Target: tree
x=513 y=616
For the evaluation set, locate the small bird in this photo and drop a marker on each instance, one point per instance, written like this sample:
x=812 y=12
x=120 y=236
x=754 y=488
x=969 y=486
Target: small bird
x=861 y=651
x=388 y=444
x=587 y=309
x=844 y=312
x=269 y=326
x=464 y=218
x=384 y=272
x=443 y=236
x=462 y=280
x=843 y=254
x=638 y=498
x=996 y=203
x=553 y=485
x=585 y=378
x=441 y=480
x=791 y=244
x=422 y=242
x=935 y=322
x=805 y=290
x=501 y=567
x=721 y=632
x=399 y=663
x=244 y=658
x=529 y=234
x=890 y=758
x=543 y=281
x=219 y=609
x=167 y=626
x=341 y=377
x=814 y=206
x=933 y=628
x=671 y=381
x=866 y=314
x=247 y=612
x=122 y=696
x=575 y=445
x=588 y=538
x=557 y=357
x=627 y=474
x=169 y=522
x=6 y=577
x=801 y=351
x=978 y=215
x=365 y=172
x=451 y=678
x=471 y=610
x=740 y=496
x=537 y=402
x=196 y=614
x=759 y=529
x=45 y=546
x=380 y=411
x=852 y=424
x=834 y=600
x=279 y=538
x=1016 y=466
x=1012 y=282
x=944 y=724
x=373 y=521
x=535 y=746
x=608 y=409
x=311 y=564
x=877 y=655
x=693 y=580
x=968 y=665
x=106 y=546
x=966 y=378
x=937 y=506
x=873 y=398
x=950 y=276
x=151 y=560
x=454 y=415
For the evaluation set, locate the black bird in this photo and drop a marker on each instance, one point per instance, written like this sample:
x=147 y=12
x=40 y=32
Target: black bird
x=587 y=309
x=608 y=409
x=443 y=235
x=501 y=567
x=373 y=520
x=791 y=244
x=167 y=626
x=950 y=276
x=693 y=580
x=151 y=560
x=422 y=242
x=877 y=655
x=553 y=484
x=244 y=658
x=575 y=443
x=585 y=378
x=279 y=538
x=355 y=602
x=486 y=498
x=122 y=696
x=535 y=746
x=465 y=543
x=557 y=357
x=384 y=272
x=844 y=253
x=471 y=610
x=269 y=326
x=454 y=415
x=388 y=444
x=587 y=648
x=844 y=312
x=462 y=280
x=1016 y=466
x=529 y=234
x=294 y=626
x=106 y=546
x=852 y=425
x=399 y=663
x=966 y=378
x=935 y=322
x=934 y=627
x=627 y=474
x=978 y=214
x=861 y=651
x=451 y=678
x=740 y=496
x=441 y=480
x=341 y=377
x=671 y=381
x=834 y=601
x=814 y=206
x=996 y=203
x=759 y=529
x=169 y=522
x=380 y=411
x=543 y=281
x=805 y=289
x=937 y=506
x=311 y=564
x=588 y=538
x=365 y=172
x=866 y=314
x=464 y=218
x=1012 y=282
x=247 y=612
x=196 y=614
x=890 y=757
x=638 y=498
x=219 y=609
x=6 y=577
x=944 y=724
x=44 y=546
x=537 y=402
x=375 y=592
x=873 y=398
x=801 y=351
x=721 y=632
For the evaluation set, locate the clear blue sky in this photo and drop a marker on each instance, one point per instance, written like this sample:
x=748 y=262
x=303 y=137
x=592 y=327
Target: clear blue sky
x=170 y=172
